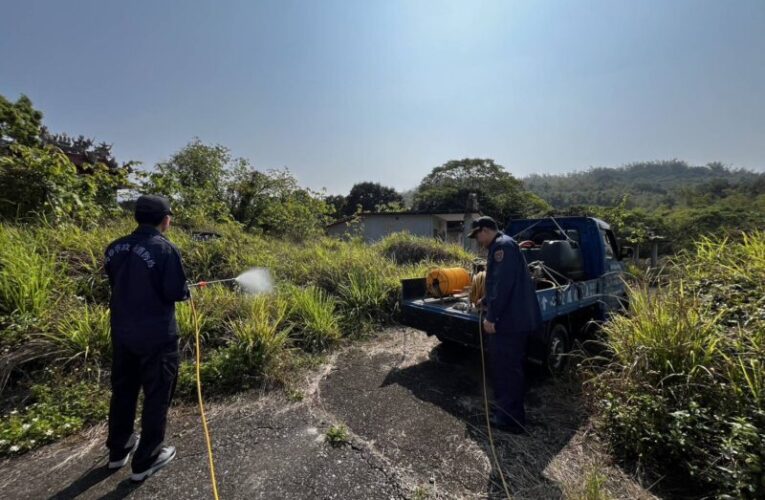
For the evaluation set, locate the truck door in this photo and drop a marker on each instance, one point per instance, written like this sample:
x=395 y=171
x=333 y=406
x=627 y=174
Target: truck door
x=612 y=284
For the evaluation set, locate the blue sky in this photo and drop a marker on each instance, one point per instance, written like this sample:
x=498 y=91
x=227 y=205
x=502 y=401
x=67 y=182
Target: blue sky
x=348 y=91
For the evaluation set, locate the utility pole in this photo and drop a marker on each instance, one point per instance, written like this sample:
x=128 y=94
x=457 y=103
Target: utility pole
x=471 y=210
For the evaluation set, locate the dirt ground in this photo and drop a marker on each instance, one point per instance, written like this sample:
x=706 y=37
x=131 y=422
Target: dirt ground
x=414 y=412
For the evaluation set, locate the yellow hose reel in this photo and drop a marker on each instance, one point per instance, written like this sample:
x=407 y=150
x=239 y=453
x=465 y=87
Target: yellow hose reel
x=445 y=281
x=477 y=288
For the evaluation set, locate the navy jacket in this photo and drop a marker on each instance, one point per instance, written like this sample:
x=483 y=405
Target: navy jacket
x=510 y=293
x=147 y=279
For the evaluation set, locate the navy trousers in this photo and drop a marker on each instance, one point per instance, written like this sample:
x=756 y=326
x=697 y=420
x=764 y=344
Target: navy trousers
x=507 y=354
x=155 y=371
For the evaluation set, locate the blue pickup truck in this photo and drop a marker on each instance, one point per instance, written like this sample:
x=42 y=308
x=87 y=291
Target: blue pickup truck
x=577 y=266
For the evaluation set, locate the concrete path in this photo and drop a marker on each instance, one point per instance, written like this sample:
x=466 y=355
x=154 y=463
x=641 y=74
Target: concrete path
x=414 y=413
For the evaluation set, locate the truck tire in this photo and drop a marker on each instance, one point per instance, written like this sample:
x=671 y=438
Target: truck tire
x=557 y=349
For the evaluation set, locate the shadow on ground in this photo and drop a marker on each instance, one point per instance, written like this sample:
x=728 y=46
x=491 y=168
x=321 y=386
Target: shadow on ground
x=444 y=442
x=93 y=477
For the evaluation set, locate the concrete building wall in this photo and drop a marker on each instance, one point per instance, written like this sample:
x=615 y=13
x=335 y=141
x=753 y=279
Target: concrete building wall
x=376 y=227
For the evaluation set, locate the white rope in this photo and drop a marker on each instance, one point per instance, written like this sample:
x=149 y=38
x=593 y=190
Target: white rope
x=563 y=233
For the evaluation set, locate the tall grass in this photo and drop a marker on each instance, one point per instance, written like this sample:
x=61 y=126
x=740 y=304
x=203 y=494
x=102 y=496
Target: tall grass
x=216 y=306
x=314 y=318
x=684 y=393
x=28 y=274
x=52 y=287
x=262 y=333
x=79 y=252
x=404 y=248
x=367 y=300
x=83 y=336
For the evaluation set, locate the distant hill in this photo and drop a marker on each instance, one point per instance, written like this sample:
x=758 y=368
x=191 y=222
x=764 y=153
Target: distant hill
x=648 y=185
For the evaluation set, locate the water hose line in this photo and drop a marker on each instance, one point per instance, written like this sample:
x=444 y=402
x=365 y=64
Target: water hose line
x=486 y=407
x=208 y=441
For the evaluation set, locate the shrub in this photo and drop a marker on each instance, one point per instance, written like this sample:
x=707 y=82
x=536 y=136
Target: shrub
x=327 y=288
x=404 y=248
x=684 y=391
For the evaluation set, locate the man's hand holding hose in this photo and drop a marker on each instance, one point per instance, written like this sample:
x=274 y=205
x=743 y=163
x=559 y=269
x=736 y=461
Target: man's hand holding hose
x=489 y=328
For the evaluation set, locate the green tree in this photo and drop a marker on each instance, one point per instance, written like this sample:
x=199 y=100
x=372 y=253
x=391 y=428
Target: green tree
x=338 y=203
x=38 y=178
x=274 y=203
x=500 y=194
x=195 y=178
x=41 y=182
x=83 y=148
x=20 y=122
x=371 y=197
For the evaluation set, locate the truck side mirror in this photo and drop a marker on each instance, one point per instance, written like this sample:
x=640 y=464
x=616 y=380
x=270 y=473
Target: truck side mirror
x=626 y=252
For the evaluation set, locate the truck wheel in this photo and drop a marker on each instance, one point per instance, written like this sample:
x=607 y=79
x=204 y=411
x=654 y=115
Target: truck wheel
x=557 y=349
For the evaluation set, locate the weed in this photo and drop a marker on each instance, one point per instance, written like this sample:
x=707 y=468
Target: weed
x=421 y=493
x=56 y=411
x=294 y=395
x=83 y=336
x=367 y=299
x=404 y=248
x=27 y=274
x=338 y=435
x=313 y=316
x=684 y=391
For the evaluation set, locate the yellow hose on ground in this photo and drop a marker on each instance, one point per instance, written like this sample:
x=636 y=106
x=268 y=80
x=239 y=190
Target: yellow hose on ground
x=208 y=441
x=486 y=408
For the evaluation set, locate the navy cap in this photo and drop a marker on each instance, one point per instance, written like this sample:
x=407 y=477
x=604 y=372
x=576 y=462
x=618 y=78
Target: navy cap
x=480 y=223
x=152 y=206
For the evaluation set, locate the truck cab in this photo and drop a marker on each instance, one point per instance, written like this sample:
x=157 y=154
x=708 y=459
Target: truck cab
x=576 y=266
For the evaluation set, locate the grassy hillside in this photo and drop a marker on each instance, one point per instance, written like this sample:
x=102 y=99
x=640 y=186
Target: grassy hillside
x=648 y=185
x=54 y=319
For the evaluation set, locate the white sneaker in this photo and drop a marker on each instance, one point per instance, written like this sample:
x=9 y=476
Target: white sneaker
x=166 y=454
x=130 y=447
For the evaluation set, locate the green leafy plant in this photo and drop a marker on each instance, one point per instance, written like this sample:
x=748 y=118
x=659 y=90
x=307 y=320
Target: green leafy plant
x=55 y=411
x=337 y=435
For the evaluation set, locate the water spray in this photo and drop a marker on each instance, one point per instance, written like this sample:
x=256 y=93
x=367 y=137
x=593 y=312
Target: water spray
x=255 y=281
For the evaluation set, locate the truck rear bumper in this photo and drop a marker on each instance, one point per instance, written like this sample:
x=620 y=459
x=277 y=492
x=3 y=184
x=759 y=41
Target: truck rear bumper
x=446 y=324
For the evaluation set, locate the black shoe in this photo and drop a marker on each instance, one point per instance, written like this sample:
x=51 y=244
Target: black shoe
x=115 y=462
x=166 y=454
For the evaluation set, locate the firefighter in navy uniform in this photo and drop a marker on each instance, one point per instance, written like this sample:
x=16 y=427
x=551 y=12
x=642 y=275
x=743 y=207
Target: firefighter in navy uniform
x=512 y=315
x=147 y=279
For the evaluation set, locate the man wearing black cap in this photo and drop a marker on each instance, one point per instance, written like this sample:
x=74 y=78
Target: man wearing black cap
x=512 y=314
x=147 y=279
